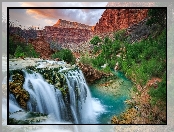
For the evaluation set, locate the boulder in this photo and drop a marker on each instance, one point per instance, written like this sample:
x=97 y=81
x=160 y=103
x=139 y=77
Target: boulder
x=91 y=74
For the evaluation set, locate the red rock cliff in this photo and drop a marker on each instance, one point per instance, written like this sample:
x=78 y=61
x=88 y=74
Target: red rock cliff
x=116 y=19
x=68 y=24
x=67 y=34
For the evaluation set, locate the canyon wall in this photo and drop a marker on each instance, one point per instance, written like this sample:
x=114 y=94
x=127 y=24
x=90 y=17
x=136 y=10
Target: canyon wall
x=76 y=36
x=68 y=24
x=117 y=19
x=67 y=34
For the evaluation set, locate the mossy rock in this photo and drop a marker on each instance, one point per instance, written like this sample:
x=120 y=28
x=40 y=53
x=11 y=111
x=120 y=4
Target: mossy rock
x=28 y=118
x=16 y=88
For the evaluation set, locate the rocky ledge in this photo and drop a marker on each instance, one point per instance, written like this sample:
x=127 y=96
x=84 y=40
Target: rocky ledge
x=52 y=71
x=91 y=74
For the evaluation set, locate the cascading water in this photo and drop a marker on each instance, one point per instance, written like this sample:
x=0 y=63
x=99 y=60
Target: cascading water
x=13 y=105
x=80 y=98
x=47 y=99
x=44 y=97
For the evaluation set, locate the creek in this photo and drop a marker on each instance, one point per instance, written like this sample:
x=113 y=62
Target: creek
x=112 y=97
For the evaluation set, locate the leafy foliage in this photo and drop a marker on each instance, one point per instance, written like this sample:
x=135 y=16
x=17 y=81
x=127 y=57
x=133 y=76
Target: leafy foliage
x=66 y=55
x=120 y=35
x=108 y=51
x=86 y=59
x=157 y=16
x=139 y=61
x=159 y=94
x=19 y=52
x=25 y=51
x=145 y=59
x=95 y=40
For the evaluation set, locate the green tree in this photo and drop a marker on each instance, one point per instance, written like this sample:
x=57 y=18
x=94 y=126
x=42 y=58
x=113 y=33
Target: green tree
x=95 y=40
x=19 y=52
x=64 y=54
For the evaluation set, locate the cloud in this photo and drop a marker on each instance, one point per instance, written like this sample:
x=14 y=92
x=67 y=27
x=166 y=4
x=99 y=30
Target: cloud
x=88 y=16
x=48 y=17
x=85 y=16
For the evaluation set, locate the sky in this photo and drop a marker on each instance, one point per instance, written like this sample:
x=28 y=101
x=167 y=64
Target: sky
x=48 y=17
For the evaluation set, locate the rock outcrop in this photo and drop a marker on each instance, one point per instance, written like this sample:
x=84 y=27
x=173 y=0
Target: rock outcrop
x=69 y=24
x=76 y=36
x=42 y=47
x=16 y=88
x=117 y=19
x=66 y=34
x=91 y=74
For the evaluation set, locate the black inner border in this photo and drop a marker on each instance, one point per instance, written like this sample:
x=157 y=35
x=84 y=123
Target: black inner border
x=8 y=8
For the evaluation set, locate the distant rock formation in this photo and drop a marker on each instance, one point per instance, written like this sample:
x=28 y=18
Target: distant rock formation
x=42 y=47
x=69 y=24
x=71 y=35
x=76 y=36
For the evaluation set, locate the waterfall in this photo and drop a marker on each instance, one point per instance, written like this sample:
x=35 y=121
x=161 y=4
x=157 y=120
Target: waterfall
x=13 y=105
x=47 y=99
x=44 y=97
x=80 y=98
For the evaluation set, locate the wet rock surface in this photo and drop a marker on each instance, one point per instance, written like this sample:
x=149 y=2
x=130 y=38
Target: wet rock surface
x=22 y=117
x=91 y=74
x=16 y=88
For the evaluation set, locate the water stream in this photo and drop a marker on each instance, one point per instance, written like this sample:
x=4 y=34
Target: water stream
x=112 y=98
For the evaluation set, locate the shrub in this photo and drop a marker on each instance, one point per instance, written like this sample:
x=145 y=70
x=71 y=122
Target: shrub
x=159 y=93
x=25 y=51
x=157 y=16
x=95 y=40
x=30 y=51
x=86 y=60
x=19 y=52
x=64 y=54
x=120 y=35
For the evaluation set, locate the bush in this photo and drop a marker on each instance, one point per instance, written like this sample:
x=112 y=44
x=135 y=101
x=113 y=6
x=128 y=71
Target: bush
x=19 y=52
x=120 y=35
x=95 y=40
x=157 y=16
x=13 y=44
x=64 y=54
x=30 y=51
x=25 y=51
x=159 y=94
x=86 y=60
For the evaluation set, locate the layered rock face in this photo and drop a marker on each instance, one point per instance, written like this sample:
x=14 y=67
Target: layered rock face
x=117 y=19
x=42 y=47
x=68 y=24
x=76 y=36
x=67 y=34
